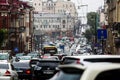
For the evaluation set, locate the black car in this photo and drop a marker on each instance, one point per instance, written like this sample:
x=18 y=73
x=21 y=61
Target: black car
x=45 y=69
x=23 y=69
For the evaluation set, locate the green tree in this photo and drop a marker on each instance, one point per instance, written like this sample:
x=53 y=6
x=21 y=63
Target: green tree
x=3 y=35
x=92 y=21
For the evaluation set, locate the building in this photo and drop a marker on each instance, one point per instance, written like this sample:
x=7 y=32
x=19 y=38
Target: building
x=13 y=17
x=113 y=13
x=55 y=16
x=54 y=23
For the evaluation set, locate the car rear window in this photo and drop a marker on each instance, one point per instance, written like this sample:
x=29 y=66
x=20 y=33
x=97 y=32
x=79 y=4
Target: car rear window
x=68 y=74
x=69 y=60
x=4 y=56
x=116 y=60
x=4 y=66
x=21 y=65
x=48 y=63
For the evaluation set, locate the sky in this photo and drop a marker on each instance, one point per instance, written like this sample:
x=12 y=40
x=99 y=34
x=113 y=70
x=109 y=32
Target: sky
x=93 y=5
x=89 y=6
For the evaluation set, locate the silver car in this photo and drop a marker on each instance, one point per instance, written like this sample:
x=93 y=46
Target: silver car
x=7 y=71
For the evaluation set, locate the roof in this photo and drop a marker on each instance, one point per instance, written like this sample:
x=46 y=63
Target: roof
x=95 y=66
x=95 y=56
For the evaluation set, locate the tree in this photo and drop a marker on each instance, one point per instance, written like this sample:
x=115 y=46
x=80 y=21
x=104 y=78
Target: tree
x=92 y=21
x=3 y=35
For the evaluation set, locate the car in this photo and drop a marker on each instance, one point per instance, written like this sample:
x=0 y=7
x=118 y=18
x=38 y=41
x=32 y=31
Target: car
x=34 y=55
x=5 y=57
x=7 y=70
x=50 y=57
x=23 y=69
x=24 y=58
x=45 y=69
x=87 y=59
x=95 y=71
x=5 y=78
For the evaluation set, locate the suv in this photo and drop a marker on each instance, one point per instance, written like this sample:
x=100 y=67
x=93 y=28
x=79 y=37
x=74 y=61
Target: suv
x=86 y=59
x=95 y=71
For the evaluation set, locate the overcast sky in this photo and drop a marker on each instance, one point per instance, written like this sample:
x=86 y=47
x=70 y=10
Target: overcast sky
x=93 y=5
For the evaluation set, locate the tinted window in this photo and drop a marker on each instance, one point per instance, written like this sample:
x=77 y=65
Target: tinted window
x=48 y=63
x=69 y=60
x=68 y=74
x=21 y=65
x=103 y=60
x=109 y=75
x=4 y=66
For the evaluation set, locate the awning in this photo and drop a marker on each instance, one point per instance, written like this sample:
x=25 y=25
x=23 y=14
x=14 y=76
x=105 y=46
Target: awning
x=4 y=2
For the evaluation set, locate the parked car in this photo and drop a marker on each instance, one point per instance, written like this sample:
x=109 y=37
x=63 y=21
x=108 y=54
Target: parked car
x=86 y=59
x=95 y=71
x=45 y=69
x=23 y=69
x=7 y=71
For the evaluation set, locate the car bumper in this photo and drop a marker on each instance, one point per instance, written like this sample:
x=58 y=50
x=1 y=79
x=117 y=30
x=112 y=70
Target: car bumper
x=5 y=78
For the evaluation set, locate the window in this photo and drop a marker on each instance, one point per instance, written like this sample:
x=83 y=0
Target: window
x=49 y=26
x=63 y=26
x=109 y=75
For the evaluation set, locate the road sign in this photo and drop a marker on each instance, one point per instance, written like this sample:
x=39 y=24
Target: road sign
x=16 y=49
x=102 y=34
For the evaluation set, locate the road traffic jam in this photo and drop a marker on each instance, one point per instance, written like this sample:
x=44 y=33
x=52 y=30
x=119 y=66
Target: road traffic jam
x=54 y=64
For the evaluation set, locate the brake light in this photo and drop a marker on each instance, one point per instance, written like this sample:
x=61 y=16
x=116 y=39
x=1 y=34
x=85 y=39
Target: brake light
x=7 y=73
x=28 y=71
x=78 y=61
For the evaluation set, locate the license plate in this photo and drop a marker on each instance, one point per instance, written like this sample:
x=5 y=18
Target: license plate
x=48 y=72
x=19 y=70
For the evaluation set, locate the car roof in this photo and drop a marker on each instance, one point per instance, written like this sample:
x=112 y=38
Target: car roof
x=101 y=66
x=93 y=56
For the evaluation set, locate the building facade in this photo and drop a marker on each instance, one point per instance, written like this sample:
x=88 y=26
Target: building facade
x=113 y=28
x=56 y=16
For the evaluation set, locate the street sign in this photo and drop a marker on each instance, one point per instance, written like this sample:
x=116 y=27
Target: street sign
x=102 y=34
x=16 y=49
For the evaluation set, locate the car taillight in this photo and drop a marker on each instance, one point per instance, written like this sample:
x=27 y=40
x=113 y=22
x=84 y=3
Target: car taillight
x=78 y=61
x=28 y=71
x=7 y=73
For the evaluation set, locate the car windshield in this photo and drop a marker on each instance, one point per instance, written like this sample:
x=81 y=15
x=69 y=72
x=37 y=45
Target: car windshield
x=4 y=66
x=4 y=56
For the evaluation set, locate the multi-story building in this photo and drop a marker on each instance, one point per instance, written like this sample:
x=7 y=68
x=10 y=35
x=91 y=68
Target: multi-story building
x=13 y=17
x=53 y=23
x=113 y=25
x=54 y=15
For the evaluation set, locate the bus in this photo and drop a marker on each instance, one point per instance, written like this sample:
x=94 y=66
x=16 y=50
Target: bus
x=50 y=50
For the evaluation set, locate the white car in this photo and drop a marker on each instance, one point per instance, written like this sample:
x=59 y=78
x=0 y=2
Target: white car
x=7 y=71
x=87 y=59
x=95 y=71
x=5 y=57
x=24 y=58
